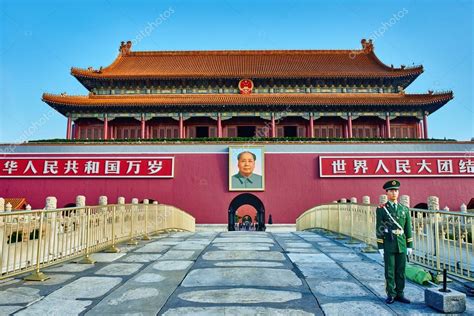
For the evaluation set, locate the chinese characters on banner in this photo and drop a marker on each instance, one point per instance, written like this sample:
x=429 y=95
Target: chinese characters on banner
x=86 y=167
x=399 y=166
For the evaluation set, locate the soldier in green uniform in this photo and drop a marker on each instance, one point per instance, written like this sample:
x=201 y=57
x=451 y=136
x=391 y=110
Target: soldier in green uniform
x=395 y=241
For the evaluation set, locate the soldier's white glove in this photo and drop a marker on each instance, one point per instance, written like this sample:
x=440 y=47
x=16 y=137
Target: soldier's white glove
x=409 y=251
x=381 y=252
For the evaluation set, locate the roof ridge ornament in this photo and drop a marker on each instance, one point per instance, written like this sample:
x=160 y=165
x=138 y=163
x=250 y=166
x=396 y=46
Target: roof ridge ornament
x=125 y=48
x=91 y=69
x=367 y=45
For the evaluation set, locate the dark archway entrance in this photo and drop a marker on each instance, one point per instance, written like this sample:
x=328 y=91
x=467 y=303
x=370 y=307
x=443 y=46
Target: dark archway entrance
x=421 y=206
x=250 y=199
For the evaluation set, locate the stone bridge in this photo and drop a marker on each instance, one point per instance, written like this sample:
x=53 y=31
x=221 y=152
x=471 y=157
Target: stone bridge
x=216 y=273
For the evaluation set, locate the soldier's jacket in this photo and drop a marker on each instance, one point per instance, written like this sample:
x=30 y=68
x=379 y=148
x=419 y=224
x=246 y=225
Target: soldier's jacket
x=385 y=225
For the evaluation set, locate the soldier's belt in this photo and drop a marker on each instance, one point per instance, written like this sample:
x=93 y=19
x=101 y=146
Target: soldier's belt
x=398 y=232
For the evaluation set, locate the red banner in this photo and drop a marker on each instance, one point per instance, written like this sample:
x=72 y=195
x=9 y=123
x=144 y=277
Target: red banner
x=396 y=166
x=86 y=167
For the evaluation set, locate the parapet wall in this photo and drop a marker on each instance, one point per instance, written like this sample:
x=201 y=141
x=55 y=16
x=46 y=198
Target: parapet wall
x=292 y=175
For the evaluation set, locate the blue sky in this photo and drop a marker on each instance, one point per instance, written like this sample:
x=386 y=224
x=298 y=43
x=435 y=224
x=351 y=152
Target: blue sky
x=41 y=40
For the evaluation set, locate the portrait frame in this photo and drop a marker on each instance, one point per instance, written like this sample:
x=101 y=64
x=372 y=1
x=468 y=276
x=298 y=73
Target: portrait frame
x=259 y=171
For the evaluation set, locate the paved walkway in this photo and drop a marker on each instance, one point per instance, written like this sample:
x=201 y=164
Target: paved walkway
x=231 y=273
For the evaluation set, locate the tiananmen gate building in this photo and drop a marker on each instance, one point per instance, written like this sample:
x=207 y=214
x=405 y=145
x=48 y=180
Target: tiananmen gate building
x=170 y=126
x=193 y=94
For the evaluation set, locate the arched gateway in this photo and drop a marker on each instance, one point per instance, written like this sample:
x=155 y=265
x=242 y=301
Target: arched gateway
x=243 y=199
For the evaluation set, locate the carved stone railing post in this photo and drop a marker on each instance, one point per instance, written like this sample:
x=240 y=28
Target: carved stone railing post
x=2 y=210
x=146 y=210
x=111 y=213
x=133 y=218
x=121 y=207
x=80 y=201
x=405 y=200
x=433 y=203
x=121 y=214
x=81 y=217
x=369 y=219
x=51 y=221
x=103 y=200
x=8 y=210
x=366 y=199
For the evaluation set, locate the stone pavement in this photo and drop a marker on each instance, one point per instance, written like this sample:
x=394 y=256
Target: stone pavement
x=209 y=273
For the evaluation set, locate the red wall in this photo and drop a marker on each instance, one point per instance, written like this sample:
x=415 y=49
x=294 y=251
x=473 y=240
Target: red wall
x=200 y=186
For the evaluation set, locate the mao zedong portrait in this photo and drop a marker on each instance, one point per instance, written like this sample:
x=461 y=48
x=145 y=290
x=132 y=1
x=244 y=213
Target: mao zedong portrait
x=246 y=178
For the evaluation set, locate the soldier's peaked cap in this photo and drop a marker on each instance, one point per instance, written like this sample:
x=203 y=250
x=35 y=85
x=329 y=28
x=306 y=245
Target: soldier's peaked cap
x=392 y=184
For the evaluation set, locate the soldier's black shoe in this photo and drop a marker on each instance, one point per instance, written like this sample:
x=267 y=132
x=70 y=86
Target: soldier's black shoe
x=402 y=299
x=390 y=300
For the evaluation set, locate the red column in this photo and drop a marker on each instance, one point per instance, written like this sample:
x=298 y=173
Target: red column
x=68 y=128
x=311 y=125
x=425 y=125
x=143 y=127
x=78 y=131
x=106 y=127
x=273 y=125
x=349 y=125
x=219 y=125
x=387 y=126
x=181 y=126
x=419 y=131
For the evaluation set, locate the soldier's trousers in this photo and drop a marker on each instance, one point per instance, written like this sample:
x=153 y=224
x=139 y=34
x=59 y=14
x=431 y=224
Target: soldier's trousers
x=395 y=273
